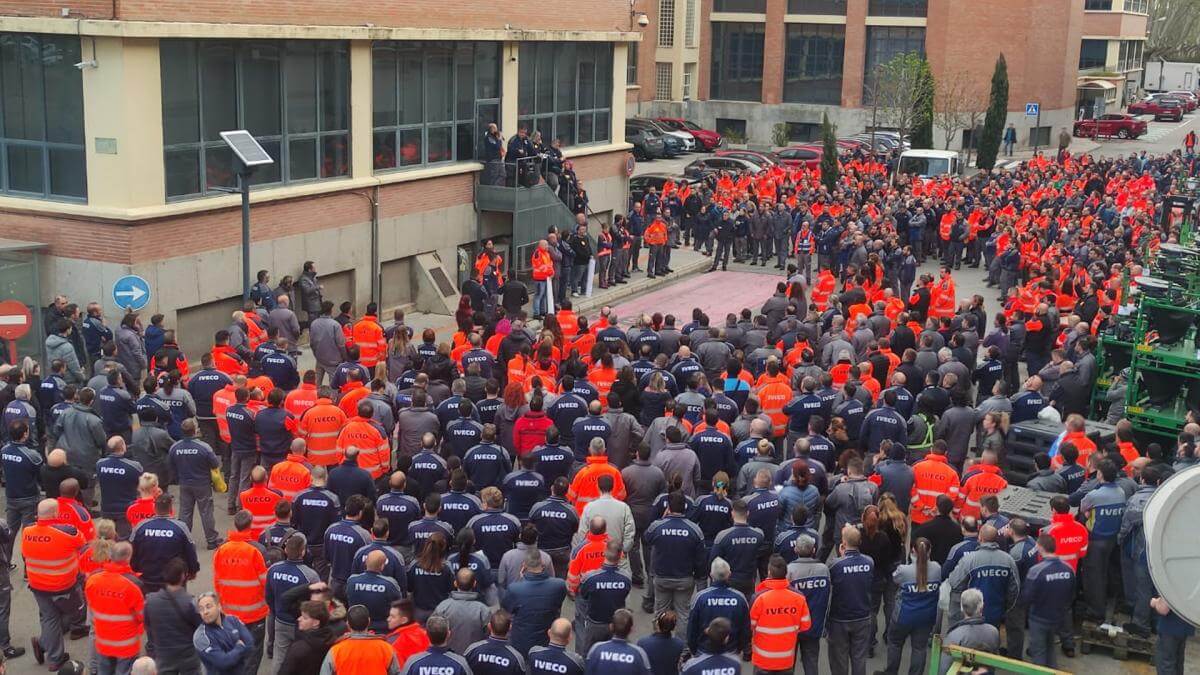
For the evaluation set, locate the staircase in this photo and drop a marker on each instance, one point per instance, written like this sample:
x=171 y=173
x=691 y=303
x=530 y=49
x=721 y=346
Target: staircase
x=533 y=209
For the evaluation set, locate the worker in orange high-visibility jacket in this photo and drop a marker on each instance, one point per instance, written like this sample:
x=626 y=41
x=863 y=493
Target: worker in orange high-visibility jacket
x=354 y=391
x=779 y=614
x=260 y=501
x=362 y=651
x=320 y=428
x=255 y=333
x=772 y=397
x=584 y=487
x=362 y=432
x=115 y=600
x=1070 y=535
x=368 y=337
x=224 y=398
x=300 y=399
x=982 y=479
x=72 y=512
x=240 y=580
x=542 y=266
x=294 y=474
x=826 y=284
x=943 y=301
x=932 y=476
x=588 y=554
x=51 y=552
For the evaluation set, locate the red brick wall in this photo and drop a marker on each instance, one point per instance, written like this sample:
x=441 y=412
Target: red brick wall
x=595 y=167
x=855 y=54
x=773 y=48
x=523 y=14
x=704 y=67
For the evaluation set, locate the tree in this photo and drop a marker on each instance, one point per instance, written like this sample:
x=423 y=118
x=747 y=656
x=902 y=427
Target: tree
x=922 y=137
x=993 y=123
x=829 y=156
x=1173 y=28
x=897 y=92
x=959 y=105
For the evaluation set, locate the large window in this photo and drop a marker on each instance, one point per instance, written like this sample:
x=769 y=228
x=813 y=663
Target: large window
x=835 y=7
x=1130 y=57
x=631 y=65
x=1098 y=5
x=666 y=23
x=812 y=66
x=1137 y=6
x=1092 y=54
x=432 y=101
x=737 y=61
x=41 y=117
x=565 y=91
x=740 y=6
x=662 y=82
x=898 y=8
x=292 y=95
x=885 y=43
x=689 y=23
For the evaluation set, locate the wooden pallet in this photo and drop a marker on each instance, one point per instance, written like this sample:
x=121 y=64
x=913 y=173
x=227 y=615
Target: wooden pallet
x=1122 y=644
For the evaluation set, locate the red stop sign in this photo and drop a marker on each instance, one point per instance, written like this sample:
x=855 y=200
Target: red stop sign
x=15 y=320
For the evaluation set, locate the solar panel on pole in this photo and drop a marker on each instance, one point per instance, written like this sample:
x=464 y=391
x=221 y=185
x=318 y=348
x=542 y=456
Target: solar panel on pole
x=246 y=148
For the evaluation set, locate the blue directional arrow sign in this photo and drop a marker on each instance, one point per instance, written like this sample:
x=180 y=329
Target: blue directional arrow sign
x=131 y=292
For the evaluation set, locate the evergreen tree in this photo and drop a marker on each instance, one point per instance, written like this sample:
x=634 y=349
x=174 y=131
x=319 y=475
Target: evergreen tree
x=829 y=158
x=922 y=134
x=993 y=124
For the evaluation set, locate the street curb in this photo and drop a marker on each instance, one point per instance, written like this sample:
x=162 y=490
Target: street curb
x=640 y=285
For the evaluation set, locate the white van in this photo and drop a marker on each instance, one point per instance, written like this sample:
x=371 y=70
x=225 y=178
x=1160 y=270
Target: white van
x=927 y=163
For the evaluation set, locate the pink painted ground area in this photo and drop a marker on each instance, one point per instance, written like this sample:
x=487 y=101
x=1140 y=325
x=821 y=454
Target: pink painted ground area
x=716 y=293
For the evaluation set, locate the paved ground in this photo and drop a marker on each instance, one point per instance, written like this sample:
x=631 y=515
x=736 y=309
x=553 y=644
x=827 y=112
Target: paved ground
x=717 y=294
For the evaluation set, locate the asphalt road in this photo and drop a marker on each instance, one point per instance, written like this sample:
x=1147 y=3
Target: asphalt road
x=741 y=287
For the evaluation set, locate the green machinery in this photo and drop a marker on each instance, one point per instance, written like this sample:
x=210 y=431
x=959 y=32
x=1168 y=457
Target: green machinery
x=1164 y=381
x=964 y=660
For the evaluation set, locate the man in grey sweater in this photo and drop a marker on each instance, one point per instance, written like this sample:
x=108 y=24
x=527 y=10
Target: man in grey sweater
x=677 y=458
x=465 y=612
x=327 y=341
x=644 y=482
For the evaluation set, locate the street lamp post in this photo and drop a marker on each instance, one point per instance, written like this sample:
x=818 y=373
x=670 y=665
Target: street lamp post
x=250 y=155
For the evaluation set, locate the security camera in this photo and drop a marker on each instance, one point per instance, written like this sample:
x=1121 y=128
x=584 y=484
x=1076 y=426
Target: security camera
x=643 y=20
x=90 y=63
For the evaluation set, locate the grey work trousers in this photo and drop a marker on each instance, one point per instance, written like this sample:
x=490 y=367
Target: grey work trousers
x=849 y=643
x=561 y=557
x=675 y=593
x=254 y=656
x=588 y=633
x=285 y=635
x=1041 y=644
x=58 y=611
x=1096 y=565
x=1014 y=627
x=112 y=665
x=1168 y=654
x=782 y=250
x=198 y=497
x=810 y=655
x=239 y=477
x=917 y=637
x=5 y=607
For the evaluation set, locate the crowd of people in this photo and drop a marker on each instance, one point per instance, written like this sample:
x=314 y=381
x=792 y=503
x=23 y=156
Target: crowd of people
x=773 y=484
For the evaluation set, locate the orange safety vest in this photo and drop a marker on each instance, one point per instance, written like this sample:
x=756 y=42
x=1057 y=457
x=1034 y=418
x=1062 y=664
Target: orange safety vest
x=141 y=509
x=352 y=393
x=988 y=480
x=778 y=616
x=291 y=476
x=932 y=476
x=300 y=400
x=602 y=379
x=361 y=653
x=826 y=283
x=656 y=234
x=493 y=344
x=517 y=366
x=945 y=226
x=225 y=360
x=260 y=501
x=116 y=605
x=408 y=640
x=944 y=301
x=320 y=428
x=587 y=557
x=568 y=321
x=840 y=373
x=1070 y=538
x=71 y=512
x=771 y=399
x=542 y=264
x=374 y=453
x=221 y=402
x=254 y=332
x=481 y=262
x=51 y=556
x=584 y=488
x=1129 y=452
x=240 y=578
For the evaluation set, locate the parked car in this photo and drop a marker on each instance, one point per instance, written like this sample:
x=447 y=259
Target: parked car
x=707 y=166
x=705 y=138
x=802 y=155
x=1112 y=124
x=647 y=142
x=763 y=159
x=682 y=140
x=852 y=144
x=638 y=185
x=1189 y=98
x=1162 y=108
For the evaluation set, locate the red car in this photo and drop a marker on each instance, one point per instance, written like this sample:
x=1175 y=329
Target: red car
x=1112 y=124
x=764 y=159
x=1160 y=108
x=802 y=155
x=709 y=140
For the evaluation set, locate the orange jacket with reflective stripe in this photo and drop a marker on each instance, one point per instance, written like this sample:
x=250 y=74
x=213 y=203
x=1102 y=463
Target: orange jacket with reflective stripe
x=568 y=321
x=240 y=577
x=542 y=264
x=225 y=360
x=584 y=488
x=260 y=501
x=656 y=234
x=254 y=331
x=368 y=337
x=71 y=512
x=221 y=402
x=352 y=393
x=1070 y=538
x=299 y=400
x=771 y=399
x=987 y=480
x=589 y=556
x=141 y=509
x=361 y=653
x=1082 y=443
x=320 y=428
x=51 y=555
x=602 y=379
x=943 y=302
x=291 y=476
x=374 y=453
x=932 y=476
x=115 y=602
x=778 y=615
